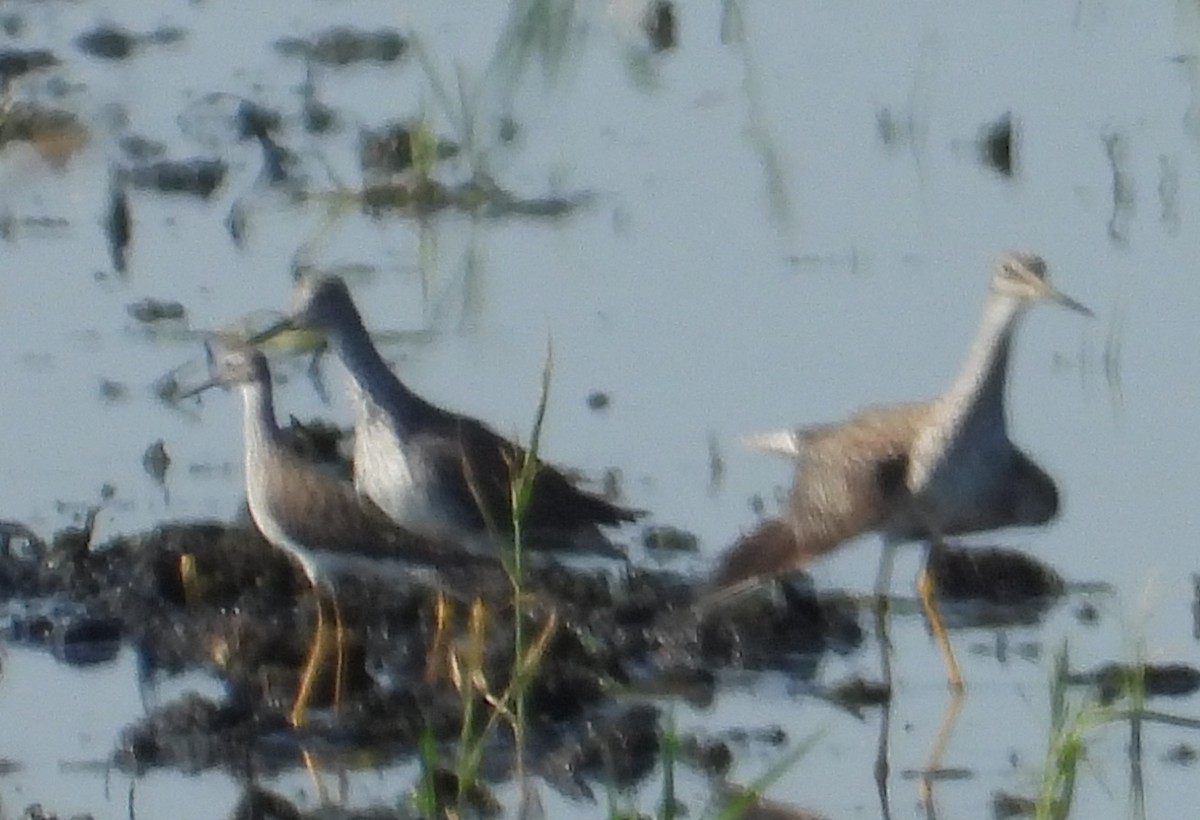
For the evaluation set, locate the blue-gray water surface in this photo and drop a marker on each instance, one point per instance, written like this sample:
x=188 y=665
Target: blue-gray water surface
x=784 y=218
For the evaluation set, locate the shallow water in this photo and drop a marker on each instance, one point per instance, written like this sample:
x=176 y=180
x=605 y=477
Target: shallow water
x=752 y=253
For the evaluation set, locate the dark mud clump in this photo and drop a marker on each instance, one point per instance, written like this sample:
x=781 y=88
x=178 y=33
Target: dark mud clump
x=660 y=25
x=194 y=177
x=149 y=311
x=118 y=226
x=788 y=628
x=110 y=42
x=479 y=195
x=663 y=538
x=998 y=145
x=994 y=585
x=1114 y=680
x=389 y=150
x=56 y=134
x=218 y=598
x=16 y=63
x=34 y=811
x=345 y=46
x=1005 y=805
x=219 y=118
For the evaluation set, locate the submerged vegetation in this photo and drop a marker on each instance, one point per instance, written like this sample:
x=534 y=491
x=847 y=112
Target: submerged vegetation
x=1086 y=709
x=468 y=668
x=1072 y=719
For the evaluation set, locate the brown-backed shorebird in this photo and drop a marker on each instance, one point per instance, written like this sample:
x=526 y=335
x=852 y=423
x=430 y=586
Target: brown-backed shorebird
x=914 y=471
x=323 y=523
x=432 y=470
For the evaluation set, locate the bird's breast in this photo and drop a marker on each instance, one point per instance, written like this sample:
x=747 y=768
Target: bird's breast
x=391 y=473
x=266 y=518
x=960 y=479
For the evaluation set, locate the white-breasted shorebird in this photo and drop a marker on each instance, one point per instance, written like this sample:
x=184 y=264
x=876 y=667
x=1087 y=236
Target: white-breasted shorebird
x=432 y=470
x=914 y=471
x=323 y=523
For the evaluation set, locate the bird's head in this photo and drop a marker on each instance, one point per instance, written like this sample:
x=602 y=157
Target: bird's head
x=231 y=367
x=1022 y=276
x=321 y=303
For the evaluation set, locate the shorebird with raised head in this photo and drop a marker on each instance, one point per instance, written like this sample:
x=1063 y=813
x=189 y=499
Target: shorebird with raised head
x=918 y=471
x=323 y=523
x=432 y=470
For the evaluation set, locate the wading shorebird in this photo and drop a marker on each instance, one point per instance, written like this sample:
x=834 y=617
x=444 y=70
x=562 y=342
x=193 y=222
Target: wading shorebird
x=914 y=471
x=434 y=471
x=323 y=523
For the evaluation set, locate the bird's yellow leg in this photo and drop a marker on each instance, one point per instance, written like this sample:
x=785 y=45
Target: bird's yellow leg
x=311 y=666
x=927 y=590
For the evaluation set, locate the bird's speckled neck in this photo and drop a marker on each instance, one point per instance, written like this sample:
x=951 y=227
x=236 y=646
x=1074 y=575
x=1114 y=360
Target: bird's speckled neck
x=373 y=384
x=260 y=429
x=976 y=397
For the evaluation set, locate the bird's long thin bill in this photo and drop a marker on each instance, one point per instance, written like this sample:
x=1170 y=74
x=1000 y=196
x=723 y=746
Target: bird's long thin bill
x=286 y=335
x=1059 y=298
x=1071 y=304
x=282 y=326
x=198 y=389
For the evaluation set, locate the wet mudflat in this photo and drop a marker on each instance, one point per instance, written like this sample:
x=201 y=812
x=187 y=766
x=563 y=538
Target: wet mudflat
x=724 y=220
x=219 y=599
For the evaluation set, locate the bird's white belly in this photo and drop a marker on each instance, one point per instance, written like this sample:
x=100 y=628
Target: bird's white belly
x=384 y=474
x=270 y=529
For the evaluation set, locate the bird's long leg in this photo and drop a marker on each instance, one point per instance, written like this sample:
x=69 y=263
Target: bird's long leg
x=927 y=590
x=320 y=648
x=883 y=576
x=311 y=665
x=316 y=657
